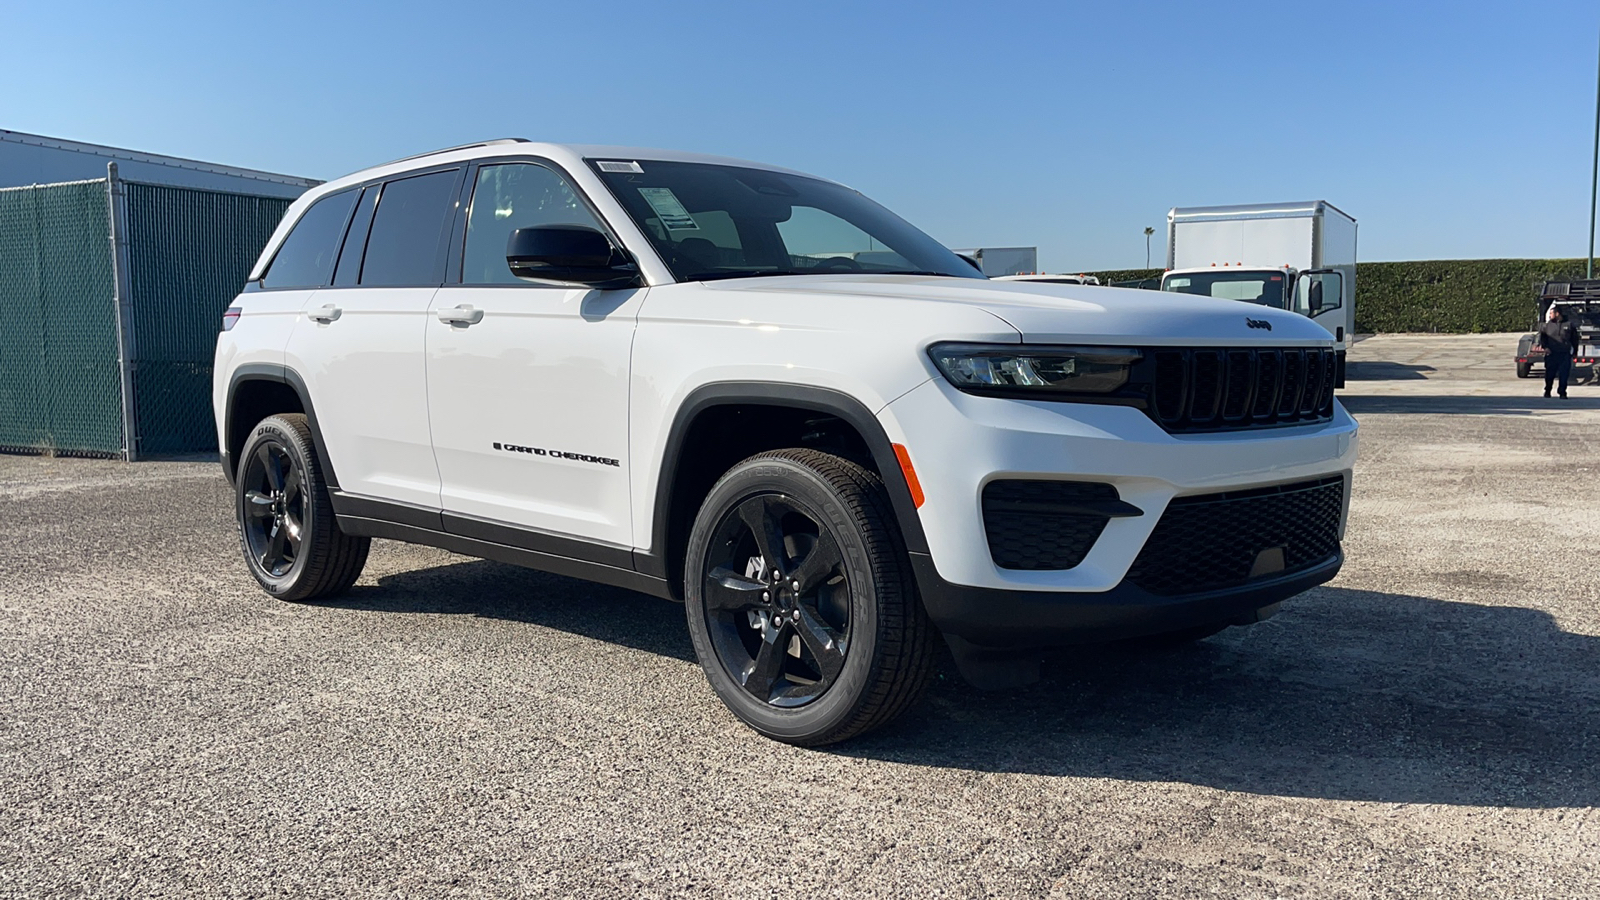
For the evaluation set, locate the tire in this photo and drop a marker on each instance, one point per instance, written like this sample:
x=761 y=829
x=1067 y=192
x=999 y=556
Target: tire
x=848 y=651
x=1523 y=369
x=279 y=486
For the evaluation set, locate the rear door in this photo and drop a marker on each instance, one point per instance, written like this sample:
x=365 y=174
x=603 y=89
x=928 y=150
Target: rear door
x=528 y=381
x=359 y=346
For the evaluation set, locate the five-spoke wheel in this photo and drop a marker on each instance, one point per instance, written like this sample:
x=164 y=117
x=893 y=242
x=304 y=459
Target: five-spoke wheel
x=286 y=524
x=777 y=601
x=274 y=508
x=800 y=602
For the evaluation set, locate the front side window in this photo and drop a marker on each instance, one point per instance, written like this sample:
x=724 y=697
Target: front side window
x=305 y=260
x=511 y=196
x=1318 y=292
x=713 y=221
x=406 y=246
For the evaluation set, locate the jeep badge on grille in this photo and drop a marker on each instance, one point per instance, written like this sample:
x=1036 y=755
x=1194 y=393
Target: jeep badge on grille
x=1258 y=323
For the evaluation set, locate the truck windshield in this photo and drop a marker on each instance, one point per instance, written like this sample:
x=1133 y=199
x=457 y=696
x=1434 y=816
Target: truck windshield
x=1265 y=288
x=712 y=221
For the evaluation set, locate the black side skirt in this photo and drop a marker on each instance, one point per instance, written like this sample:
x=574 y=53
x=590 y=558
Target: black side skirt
x=602 y=563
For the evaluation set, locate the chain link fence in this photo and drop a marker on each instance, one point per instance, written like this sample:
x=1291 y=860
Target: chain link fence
x=189 y=252
x=73 y=379
x=60 y=389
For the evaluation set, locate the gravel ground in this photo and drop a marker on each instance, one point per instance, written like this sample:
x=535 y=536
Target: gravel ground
x=1425 y=725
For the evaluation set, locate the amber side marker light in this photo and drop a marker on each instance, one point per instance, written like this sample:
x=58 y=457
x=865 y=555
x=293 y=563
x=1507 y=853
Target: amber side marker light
x=910 y=473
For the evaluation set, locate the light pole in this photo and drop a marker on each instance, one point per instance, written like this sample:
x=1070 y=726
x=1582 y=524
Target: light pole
x=1149 y=231
x=1594 y=172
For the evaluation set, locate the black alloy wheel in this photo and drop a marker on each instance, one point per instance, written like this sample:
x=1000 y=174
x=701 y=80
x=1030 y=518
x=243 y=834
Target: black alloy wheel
x=287 y=529
x=800 y=600
x=275 y=508
x=777 y=602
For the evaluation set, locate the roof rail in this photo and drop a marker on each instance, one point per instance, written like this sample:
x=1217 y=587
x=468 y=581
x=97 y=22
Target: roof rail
x=471 y=146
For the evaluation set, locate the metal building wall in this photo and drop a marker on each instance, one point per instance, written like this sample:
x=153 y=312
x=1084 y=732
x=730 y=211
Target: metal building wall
x=59 y=383
x=188 y=253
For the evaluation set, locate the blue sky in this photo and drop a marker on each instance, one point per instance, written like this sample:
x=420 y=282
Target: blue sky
x=1447 y=129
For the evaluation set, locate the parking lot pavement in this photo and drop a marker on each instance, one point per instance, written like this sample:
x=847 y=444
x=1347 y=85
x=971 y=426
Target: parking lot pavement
x=1424 y=725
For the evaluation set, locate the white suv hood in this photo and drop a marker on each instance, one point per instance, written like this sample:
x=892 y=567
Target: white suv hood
x=1065 y=313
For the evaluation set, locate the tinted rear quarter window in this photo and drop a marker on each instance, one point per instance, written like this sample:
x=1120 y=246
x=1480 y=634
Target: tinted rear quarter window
x=306 y=258
x=348 y=271
x=406 y=245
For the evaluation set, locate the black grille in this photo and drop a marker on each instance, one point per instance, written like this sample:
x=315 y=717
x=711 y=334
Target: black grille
x=1212 y=541
x=1030 y=526
x=1205 y=389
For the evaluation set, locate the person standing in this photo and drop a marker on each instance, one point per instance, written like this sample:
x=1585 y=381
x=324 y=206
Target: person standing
x=1559 y=339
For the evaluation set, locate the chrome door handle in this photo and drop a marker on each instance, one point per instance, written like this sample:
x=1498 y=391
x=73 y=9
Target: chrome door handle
x=326 y=314
x=461 y=315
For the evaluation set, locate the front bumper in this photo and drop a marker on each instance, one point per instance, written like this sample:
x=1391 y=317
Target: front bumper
x=958 y=443
x=1025 y=619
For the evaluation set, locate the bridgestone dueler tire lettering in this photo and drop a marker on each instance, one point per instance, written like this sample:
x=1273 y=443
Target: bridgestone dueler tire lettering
x=330 y=561
x=891 y=650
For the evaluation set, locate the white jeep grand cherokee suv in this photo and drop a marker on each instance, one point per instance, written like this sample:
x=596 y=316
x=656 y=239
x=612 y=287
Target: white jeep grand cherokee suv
x=761 y=394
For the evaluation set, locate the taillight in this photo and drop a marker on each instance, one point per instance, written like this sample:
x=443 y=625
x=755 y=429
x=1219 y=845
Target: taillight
x=230 y=316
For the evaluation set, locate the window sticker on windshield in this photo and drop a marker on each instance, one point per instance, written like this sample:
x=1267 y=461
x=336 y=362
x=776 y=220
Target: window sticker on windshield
x=668 y=209
x=631 y=168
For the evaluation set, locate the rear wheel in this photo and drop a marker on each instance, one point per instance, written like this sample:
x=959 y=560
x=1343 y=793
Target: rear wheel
x=800 y=602
x=287 y=529
x=1523 y=369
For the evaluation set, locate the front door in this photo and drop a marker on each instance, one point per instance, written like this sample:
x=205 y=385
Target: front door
x=528 y=382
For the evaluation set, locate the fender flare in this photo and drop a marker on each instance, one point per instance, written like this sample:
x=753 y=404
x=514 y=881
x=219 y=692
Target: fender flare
x=763 y=393
x=280 y=374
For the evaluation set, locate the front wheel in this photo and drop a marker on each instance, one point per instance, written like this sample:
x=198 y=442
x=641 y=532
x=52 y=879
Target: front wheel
x=287 y=529
x=800 y=601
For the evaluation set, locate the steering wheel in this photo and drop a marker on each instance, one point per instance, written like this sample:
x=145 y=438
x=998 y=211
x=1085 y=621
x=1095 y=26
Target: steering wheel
x=839 y=262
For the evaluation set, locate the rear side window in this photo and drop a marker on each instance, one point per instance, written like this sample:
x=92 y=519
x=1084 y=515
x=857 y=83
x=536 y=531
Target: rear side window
x=348 y=271
x=306 y=258
x=406 y=246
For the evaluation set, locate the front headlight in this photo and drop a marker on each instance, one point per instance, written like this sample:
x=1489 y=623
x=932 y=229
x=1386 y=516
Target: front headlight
x=1019 y=370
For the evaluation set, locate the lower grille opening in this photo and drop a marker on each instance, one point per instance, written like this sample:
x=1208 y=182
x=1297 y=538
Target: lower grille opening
x=1214 y=541
x=1043 y=525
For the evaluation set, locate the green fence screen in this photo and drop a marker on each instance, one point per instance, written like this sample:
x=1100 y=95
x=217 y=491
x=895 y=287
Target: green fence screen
x=189 y=252
x=60 y=389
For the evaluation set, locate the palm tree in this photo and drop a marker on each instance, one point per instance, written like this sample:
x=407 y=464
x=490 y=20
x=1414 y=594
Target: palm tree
x=1147 y=232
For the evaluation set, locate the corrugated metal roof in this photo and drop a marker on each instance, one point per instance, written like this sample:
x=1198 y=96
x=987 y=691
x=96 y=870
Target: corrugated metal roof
x=36 y=159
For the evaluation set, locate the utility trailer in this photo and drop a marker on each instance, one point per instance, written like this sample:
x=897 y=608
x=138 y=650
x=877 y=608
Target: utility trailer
x=1579 y=301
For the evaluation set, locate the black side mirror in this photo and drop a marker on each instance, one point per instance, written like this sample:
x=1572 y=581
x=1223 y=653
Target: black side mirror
x=574 y=253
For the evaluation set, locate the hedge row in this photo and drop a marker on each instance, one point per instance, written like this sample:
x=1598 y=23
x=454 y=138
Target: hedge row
x=1446 y=295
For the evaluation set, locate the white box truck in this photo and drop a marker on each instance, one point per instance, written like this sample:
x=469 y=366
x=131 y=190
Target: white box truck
x=1295 y=256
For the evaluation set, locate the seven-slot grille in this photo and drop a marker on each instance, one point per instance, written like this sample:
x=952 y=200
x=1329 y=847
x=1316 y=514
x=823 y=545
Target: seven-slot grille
x=1217 y=389
x=1214 y=541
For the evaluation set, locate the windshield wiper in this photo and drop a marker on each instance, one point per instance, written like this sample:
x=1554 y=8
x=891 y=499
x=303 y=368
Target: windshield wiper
x=906 y=272
x=718 y=276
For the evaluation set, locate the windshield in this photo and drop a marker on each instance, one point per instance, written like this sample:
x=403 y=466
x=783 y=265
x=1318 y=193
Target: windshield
x=1265 y=288
x=710 y=221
